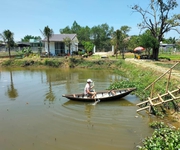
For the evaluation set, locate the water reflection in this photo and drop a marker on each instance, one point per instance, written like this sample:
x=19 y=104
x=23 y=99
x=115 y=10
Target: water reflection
x=11 y=90
x=49 y=95
x=88 y=111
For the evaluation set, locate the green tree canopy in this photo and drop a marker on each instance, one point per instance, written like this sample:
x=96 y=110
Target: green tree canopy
x=88 y=46
x=147 y=41
x=158 y=19
x=28 y=37
x=99 y=35
x=133 y=42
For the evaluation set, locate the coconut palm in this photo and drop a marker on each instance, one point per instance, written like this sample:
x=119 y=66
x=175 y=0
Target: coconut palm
x=8 y=38
x=47 y=33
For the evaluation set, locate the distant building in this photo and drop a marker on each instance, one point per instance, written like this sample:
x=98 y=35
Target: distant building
x=2 y=47
x=35 y=44
x=165 y=47
x=57 y=45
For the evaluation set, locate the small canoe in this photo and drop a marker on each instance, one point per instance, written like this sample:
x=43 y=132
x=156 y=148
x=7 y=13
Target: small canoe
x=102 y=95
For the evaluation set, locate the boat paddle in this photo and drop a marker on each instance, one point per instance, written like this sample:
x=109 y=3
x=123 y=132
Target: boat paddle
x=96 y=101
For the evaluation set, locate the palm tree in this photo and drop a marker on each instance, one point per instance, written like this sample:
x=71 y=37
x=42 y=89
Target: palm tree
x=8 y=38
x=47 y=33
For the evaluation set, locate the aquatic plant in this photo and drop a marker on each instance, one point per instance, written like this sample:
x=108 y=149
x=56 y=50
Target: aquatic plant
x=163 y=138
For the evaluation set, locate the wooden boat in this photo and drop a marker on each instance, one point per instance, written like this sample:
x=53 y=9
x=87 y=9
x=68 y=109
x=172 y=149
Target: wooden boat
x=102 y=95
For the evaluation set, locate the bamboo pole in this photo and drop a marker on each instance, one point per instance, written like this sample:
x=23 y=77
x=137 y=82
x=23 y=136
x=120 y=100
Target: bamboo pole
x=167 y=85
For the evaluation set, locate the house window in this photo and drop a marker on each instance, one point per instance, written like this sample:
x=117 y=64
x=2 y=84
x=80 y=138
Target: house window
x=59 y=48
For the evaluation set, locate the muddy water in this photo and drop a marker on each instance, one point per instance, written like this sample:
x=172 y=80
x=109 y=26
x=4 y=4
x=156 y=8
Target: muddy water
x=34 y=115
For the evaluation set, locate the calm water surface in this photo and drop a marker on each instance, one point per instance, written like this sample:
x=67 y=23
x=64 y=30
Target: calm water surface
x=34 y=115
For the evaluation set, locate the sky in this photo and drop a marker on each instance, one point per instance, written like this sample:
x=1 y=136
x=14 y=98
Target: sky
x=28 y=17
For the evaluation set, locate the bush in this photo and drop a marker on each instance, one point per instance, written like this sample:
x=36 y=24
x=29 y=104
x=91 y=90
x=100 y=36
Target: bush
x=52 y=63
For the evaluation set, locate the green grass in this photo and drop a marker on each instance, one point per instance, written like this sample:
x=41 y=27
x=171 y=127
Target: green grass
x=173 y=57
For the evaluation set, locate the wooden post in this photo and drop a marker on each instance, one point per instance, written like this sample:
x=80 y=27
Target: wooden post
x=167 y=85
x=152 y=89
x=175 y=106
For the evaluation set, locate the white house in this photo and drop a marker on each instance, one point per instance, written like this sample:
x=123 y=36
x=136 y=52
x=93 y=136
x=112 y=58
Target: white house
x=57 y=45
x=165 y=47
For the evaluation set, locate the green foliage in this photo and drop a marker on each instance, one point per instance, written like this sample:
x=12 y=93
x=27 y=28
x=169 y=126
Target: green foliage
x=14 y=62
x=163 y=138
x=88 y=46
x=26 y=51
x=52 y=63
x=147 y=41
x=133 y=42
x=134 y=75
x=157 y=125
x=99 y=35
x=169 y=56
x=7 y=62
x=122 y=84
x=28 y=37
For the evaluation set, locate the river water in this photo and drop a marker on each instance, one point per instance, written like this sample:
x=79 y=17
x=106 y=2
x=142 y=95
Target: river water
x=34 y=115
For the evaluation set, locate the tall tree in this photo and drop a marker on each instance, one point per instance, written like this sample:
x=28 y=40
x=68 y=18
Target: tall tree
x=133 y=42
x=83 y=33
x=47 y=33
x=8 y=38
x=124 y=38
x=28 y=37
x=75 y=27
x=67 y=42
x=88 y=46
x=147 y=41
x=101 y=36
x=66 y=30
x=158 y=20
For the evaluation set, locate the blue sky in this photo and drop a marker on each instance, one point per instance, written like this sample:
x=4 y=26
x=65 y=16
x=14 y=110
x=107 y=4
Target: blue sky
x=28 y=17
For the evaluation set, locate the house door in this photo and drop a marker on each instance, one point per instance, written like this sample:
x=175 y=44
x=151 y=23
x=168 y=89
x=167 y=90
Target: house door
x=59 y=49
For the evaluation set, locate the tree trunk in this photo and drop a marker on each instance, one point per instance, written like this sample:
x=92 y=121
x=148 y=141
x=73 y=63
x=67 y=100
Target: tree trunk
x=155 y=53
x=9 y=52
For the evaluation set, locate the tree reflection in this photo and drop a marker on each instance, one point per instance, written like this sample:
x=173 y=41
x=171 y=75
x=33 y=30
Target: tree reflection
x=88 y=110
x=50 y=95
x=12 y=92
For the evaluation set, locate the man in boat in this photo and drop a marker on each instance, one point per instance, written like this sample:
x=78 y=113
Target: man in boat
x=88 y=89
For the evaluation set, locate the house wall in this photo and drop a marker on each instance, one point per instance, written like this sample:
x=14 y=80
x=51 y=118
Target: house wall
x=51 y=47
x=73 y=47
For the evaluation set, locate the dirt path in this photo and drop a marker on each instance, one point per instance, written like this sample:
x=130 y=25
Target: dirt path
x=151 y=64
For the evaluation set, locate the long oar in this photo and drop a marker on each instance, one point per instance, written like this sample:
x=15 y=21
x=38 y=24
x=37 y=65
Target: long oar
x=95 y=97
